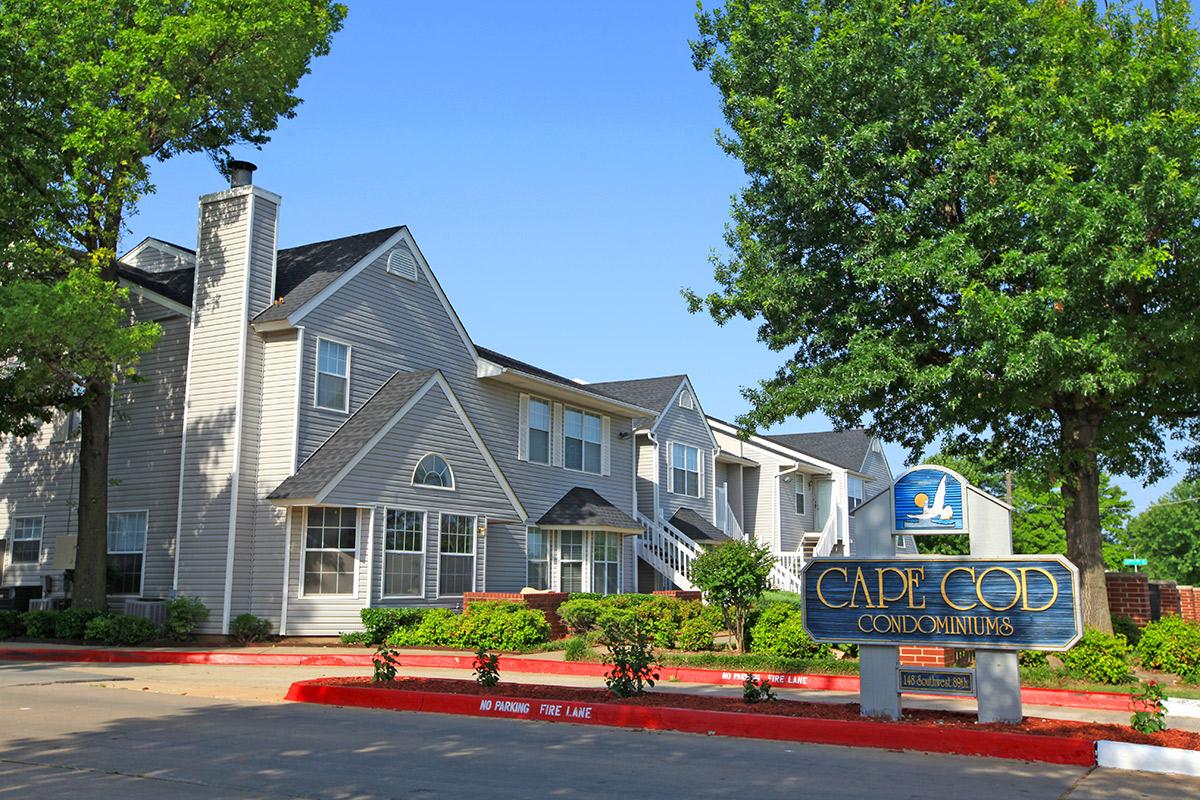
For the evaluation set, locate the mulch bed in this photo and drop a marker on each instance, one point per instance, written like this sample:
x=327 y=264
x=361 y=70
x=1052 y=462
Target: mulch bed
x=786 y=708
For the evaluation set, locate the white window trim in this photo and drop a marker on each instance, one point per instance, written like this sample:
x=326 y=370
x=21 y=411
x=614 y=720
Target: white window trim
x=303 y=548
x=41 y=540
x=582 y=461
x=671 y=471
x=416 y=268
x=384 y=553
x=317 y=373
x=588 y=561
x=620 y=562
x=528 y=401
x=453 y=481
x=145 y=542
x=474 y=552
x=545 y=534
x=690 y=403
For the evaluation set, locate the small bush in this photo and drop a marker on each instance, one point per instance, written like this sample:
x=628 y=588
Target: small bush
x=779 y=630
x=98 y=628
x=385 y=661
x=1127 y=628
x=486 y=668
x=577 y=649
x=379 y=623
x=581 y=614
x=40 y=624
x=697 y=634
x=755 y=690
x=849 y=650
x=1149 y=708
x=631 y=656
x=247 y=628
x=1099 y=657
x=128 y=630
x=1032 y=658
x=503 y=626
x=71 y=622
x=184 y=615
x=1171 y=645
x=355 y=637
x=11 y=624
x=438 y=627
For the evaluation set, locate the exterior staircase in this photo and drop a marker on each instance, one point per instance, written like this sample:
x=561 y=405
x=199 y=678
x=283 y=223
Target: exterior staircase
x=669 y=551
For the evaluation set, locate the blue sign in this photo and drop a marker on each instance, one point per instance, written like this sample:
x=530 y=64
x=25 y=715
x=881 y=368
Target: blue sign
x=926 y=680
x=1006 y=603
x=930 y=499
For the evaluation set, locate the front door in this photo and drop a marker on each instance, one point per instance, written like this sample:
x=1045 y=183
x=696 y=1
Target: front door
x=822 y=502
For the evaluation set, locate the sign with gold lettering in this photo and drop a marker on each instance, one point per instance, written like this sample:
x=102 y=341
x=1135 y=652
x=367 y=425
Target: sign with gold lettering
x=1013 y=602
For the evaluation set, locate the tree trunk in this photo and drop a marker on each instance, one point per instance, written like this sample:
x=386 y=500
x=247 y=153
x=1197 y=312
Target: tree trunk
x=91 y=557
x=1081 y=498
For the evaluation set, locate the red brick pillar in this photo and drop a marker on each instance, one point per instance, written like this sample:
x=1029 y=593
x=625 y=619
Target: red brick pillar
x=1187 y=603
x=1129 y=595
x=914 y=656
x=1168 y=598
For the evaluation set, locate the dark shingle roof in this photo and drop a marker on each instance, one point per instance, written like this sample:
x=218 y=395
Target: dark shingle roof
x=697 y=528
x=302 y=272
x=173 y=284
x=346 y=442
x=652 y=393
x=846 y=449
x=582 y=507
x=521 y=366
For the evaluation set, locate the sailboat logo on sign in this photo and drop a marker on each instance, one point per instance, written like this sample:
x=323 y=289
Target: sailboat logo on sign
x=929 y=499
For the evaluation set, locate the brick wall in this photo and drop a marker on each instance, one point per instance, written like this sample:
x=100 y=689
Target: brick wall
x=680 y=594
x=928 y=656
x=1129 y=595
x=1189 y=603
x=546 y=602
x=1168 y=598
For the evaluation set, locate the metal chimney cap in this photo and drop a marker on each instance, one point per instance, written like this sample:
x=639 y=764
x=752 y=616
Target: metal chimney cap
x=241 y=173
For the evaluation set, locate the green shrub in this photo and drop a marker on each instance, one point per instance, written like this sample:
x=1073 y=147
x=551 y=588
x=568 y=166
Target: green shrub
x=247 y=628
x=40 y=624
x=1127 y=628
x=779 y=631
x=849 y=650
x=1171 y=645
x=1149 y=708
x=756 y=690
x=1032 y=658
x=486 y=668
x=71 y=622
x=584 y=596
x=577 y=649
x=355 y=637
x=129 y=630
x=503 y=626
x=379 y=623
x=631 y=600
x=184 y=615
x=438 y=627
x=98 y=628
x=733 y=576
x=385 y=661
x=581 y=614
x=632 y=661
x=11 y=624
x=1099 y=657
x=697 y=634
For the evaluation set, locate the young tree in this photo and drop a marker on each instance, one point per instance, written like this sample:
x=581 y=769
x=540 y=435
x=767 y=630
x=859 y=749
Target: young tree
x=972 y=220
x=733 y=575
x=1167 y=534
x=93 y=92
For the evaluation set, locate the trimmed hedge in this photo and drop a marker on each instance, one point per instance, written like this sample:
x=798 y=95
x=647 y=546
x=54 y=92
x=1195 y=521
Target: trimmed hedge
x=184 y=615
x=379 y=623
x=1099 y=657
x=11 y=624
x=1172 y=645
x=70 y=623
x=247 y=628
x=663 y=617
x=493 y=625
x=779 y=631
x=40 y=624
x=120 y=629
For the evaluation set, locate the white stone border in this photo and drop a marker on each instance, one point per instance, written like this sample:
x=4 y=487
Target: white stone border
x=1183 y=707
x=1147 y=758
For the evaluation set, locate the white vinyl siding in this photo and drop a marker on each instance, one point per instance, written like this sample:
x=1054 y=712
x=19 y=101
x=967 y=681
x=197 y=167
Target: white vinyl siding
x=333 y=375
x=537 y=564
x=126 y=551
x=583 y=441
x=456 y=564
x=27 y=539
x=330 y=551
x=855 y=491
x=404 y=553
x=685 y=470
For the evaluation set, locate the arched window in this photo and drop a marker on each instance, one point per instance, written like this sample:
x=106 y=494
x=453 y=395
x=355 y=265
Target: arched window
x=433 y=471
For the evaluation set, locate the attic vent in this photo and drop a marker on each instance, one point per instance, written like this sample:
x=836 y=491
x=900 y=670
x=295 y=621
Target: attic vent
x=685 y=400
x=401 y=262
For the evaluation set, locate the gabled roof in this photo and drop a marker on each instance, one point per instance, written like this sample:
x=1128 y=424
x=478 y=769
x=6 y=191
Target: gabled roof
x=302 y=272
x=652 y=393
x=542 y=377
x=847 y=449
x=697 y=528
x=175 y=285
x=582 y=509
x=514 y=363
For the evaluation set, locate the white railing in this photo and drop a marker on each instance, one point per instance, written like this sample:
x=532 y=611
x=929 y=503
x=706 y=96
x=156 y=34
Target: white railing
x=669 y=551
x=726 y=519
x=828 y=538
x=785 y=575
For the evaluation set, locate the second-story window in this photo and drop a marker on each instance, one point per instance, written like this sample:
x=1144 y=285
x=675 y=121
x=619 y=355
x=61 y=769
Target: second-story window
x=333 y=375
x=539 y=431
x=801 y=503
x=433 y=471
x=685 y=470
x=856 y=493
x=581 y=441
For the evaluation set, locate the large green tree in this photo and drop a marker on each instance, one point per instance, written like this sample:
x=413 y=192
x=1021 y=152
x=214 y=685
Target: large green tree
x=973 y=219
x=1167 y=535
x=91 y=93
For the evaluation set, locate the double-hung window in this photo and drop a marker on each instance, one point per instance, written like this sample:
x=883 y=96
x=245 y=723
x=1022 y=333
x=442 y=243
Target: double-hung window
x=606 y=562
x=581 y=441
x=537 y=565
x=570 y=563
x=330 y=550
x=126 y=551
x=404 y=554
x=801 y=503
x=456 y=562
x=27 y=539
x=333 y=375
x=539 y=431
x=855 y=492
x=685 y=470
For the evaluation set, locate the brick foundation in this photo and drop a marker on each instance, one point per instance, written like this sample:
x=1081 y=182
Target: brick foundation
x=928 y=656
x=546 y=602
x=680 y=594
x=1129 y=595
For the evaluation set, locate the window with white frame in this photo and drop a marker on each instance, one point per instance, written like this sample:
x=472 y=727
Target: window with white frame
x=404 y=553
x=27 y=539
x=570 y=561
x=855 y=491
x=581 y=440
x=538 y=431
x=433 y=470
x=606 y=562
x=685 y=400
x=685 y=470
x=330 y=550
x=456 y=562
x=126 y=551
x=537 y=563
x=801 y=499
x=333 y=375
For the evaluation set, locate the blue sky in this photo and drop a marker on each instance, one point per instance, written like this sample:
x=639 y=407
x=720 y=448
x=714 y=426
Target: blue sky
x=555 y=162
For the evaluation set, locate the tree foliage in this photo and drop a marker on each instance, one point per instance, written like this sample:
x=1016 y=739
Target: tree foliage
x=733 y=575
x=1167 y=535
x=972 y=220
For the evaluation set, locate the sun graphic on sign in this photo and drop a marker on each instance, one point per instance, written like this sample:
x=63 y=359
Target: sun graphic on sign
x=920 y=500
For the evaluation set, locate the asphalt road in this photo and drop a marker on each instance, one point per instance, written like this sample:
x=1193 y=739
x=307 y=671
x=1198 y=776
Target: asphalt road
x=64 y=734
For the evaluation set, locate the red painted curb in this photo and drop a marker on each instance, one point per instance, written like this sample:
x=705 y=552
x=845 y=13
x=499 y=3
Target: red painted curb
x=957 y=741
x=1100 y=701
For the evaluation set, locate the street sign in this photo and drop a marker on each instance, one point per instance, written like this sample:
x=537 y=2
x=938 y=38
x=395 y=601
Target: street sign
x=1134 y=562
x=930 y=680
x=1008 y=603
